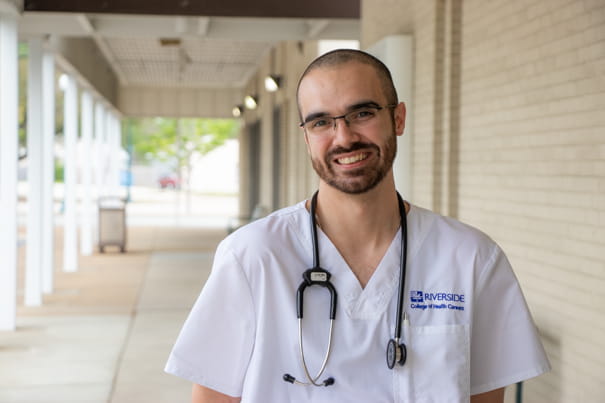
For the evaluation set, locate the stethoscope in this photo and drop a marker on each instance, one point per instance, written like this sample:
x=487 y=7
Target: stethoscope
x=396 y=350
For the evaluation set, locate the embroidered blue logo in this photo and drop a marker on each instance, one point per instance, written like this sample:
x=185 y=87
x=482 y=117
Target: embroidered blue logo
x=436 y=300
x=416 y=296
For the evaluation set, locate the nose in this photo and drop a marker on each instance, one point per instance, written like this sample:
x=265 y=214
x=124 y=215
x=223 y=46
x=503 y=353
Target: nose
x=343 y=133
x=344 y=119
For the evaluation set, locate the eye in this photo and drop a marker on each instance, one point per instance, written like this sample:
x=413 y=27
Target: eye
x=319 y=123
x=362 y=114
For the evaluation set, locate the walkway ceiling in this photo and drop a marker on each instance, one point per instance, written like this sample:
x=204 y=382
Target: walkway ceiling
x=201 y=44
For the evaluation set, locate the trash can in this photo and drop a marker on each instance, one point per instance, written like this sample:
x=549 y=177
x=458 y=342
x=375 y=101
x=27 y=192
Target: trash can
x=112 y=223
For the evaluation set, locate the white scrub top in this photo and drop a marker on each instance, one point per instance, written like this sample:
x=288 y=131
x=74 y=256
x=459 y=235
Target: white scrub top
x=469 y=327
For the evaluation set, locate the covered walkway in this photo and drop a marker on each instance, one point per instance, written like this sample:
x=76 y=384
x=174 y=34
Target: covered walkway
x=106 y=331
x=504 y=132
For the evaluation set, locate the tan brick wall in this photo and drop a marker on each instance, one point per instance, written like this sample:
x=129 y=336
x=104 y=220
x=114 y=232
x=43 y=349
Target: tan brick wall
x=428 y=83
x=525 y=161
x=532 y=170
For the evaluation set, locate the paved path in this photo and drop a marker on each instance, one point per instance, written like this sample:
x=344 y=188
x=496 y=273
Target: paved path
x=105 y=332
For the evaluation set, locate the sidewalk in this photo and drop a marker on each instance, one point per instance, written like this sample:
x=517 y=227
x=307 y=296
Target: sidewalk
x=105 y=332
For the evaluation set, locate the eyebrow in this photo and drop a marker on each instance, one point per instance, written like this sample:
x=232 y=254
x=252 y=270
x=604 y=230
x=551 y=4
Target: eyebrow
x=350 y=108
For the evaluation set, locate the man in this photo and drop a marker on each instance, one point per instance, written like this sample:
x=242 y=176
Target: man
x=466 y=329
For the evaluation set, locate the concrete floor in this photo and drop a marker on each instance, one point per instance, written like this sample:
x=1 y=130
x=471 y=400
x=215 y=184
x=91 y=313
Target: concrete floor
x=105 y=332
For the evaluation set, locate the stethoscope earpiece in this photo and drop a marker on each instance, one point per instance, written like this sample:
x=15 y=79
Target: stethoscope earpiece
x=289 y=378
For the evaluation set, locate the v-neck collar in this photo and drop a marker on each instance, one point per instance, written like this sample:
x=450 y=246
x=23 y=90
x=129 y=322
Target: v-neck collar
x=358 y=302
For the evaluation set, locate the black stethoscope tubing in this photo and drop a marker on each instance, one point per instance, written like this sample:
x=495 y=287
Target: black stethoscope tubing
x=396 y=351
x=402 y=260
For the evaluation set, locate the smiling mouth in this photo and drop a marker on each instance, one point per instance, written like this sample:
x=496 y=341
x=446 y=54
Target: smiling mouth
x=352 y=159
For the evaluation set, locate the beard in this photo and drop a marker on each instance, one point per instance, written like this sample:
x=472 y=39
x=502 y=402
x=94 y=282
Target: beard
x=359 y=180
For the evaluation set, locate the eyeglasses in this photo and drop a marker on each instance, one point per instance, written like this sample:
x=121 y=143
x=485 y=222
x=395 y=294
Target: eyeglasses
x=355 y=119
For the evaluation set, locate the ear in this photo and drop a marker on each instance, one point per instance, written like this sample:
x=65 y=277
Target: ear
x=399 y=115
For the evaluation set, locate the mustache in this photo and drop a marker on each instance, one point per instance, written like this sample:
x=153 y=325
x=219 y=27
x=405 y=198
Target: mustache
x=358 y=145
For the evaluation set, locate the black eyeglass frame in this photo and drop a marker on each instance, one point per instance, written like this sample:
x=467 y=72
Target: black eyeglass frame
x=343 y=117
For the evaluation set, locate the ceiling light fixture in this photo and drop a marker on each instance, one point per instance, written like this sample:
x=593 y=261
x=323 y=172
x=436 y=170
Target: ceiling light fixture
x=251 y=101
x=272 y=82
x=237 y=111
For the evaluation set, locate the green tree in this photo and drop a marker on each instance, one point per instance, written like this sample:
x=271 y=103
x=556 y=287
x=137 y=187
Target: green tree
x=168 y=138
x=177 y=140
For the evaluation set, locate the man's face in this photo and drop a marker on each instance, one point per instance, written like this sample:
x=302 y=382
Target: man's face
x=351 y=159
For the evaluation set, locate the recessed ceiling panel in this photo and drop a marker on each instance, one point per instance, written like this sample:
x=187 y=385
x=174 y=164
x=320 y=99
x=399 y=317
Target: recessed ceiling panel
x=188 y=62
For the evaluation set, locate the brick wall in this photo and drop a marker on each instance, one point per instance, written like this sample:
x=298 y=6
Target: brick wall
x=428 y=81
x=509 y=136
x=532 y=170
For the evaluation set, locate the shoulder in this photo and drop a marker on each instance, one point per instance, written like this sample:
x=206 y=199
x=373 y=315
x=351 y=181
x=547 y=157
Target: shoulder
x=449 y=226
x=279 y=227
x=448 y=234
x=269 y=244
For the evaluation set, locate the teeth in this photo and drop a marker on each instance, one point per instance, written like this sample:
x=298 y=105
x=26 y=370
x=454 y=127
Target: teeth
x=351 y=160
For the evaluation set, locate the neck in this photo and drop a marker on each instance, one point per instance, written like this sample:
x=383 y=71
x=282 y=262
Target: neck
x=368 y=214
x=370 y=217
x=360 y=226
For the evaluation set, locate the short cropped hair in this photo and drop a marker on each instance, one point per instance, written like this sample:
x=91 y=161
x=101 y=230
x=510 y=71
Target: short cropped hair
x=342 y=56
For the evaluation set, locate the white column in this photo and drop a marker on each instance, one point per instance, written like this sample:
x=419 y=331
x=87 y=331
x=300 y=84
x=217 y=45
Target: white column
x=96 y=163
x=116 y=153
x=99 y=149
x=109 y=154
x=85 y=157
x=33 y=267
x=119 y=152
x=107 y=157
x=70 y=133
x=8 y=169
x=47 y=252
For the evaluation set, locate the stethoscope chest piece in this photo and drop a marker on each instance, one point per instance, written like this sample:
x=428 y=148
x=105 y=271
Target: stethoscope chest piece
x=396 y=353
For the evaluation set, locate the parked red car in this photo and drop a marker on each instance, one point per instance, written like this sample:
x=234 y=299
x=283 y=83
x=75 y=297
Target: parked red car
x=169 y=181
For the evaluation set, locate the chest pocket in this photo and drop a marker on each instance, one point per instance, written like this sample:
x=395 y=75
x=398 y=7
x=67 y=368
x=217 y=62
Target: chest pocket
x=439 y=363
